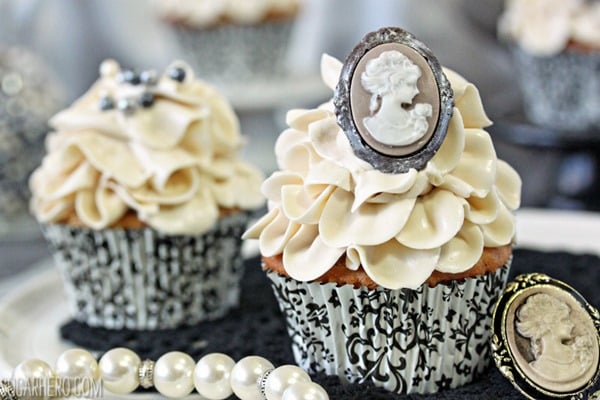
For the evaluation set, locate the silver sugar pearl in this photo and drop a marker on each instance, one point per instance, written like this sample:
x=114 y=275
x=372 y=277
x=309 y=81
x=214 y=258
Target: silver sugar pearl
x=106 y=103
x=127 y=106
x=131 y=77
x=149 y=77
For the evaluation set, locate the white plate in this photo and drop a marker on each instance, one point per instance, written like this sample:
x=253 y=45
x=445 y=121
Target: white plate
x=574 y=231
x=30 y=316
x=32 y=312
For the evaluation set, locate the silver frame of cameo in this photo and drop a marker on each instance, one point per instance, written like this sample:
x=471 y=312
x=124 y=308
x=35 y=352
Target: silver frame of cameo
x=522 y=347
x=393 y=158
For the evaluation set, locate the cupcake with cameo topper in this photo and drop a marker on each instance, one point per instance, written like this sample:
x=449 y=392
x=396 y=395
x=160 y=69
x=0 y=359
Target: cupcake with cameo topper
x=233 y=41
x=555 y=46
x=389 y=231
x=143 y=198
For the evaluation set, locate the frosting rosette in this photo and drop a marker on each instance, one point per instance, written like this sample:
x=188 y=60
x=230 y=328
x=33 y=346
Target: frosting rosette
x=545 y=27
x=165 y=147
x=326 y=204
x=206 y=13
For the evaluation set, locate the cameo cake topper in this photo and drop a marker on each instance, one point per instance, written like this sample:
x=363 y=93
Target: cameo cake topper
x=393 y=101
x=546 y=339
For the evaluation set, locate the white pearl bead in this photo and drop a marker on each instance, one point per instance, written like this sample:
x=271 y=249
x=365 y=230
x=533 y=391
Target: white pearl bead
x=109 y=68
x=305 y=391
x=33 y=378
x=119 y=370
x=77 y=372
x=173 y=374
x=245 y=375
x=211 y=376
x=282 y=378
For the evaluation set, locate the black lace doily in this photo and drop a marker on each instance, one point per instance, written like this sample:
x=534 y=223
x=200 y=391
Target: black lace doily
x=258 y=328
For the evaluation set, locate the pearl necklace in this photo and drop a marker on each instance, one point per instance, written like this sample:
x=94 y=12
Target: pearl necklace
x=215 y=376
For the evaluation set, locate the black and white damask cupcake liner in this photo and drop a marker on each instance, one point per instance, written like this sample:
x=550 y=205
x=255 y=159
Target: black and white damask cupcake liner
x=145 y=280
x=407 y=341
x=561 y=92
x=235 y=54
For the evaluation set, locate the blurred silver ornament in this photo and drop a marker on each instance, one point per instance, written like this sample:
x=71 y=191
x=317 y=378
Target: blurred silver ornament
x=29 y=96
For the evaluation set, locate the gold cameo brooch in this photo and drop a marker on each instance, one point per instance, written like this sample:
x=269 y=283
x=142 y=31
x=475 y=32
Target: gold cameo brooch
x=546 y=339
x=393 y=101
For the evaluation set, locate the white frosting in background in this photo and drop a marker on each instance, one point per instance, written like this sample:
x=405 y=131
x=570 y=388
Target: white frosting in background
x=205 y=13
x=175 y=163
x=545 y=27
x=325 y=203
x=586 y=25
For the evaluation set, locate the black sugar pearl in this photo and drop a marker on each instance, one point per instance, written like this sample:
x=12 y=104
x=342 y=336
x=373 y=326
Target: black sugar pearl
x=107 y=103
x=131 y=77
x=146 y=100
x=177 y=74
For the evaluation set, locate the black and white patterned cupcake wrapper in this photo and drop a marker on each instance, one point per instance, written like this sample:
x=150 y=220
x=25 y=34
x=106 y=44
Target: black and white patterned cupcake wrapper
x=407 y=341
x=561 y=92
x=235 y=54
x=142 y=279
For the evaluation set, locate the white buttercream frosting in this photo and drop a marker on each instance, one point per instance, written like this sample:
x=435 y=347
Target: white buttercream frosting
x=204 y=13
x=326 y=204
x=545 y=27
x=175 y=163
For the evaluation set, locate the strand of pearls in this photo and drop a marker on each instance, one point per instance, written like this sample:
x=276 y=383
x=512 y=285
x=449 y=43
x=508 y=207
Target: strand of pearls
x=215 y=376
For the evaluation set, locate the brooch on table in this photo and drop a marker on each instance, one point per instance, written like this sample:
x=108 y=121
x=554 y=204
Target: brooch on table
x=546 y=339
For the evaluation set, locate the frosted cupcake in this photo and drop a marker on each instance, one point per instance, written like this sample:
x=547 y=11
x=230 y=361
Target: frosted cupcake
x=233 y=41
x=390 y=227
x=556 y=48
x=143 y=199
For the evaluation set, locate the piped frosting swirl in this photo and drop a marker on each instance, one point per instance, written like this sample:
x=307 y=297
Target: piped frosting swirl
x=326 y=204
x=546 y=27
x=165 y=147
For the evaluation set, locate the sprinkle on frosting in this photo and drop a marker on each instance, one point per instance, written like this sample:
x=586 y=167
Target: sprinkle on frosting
x=545 y=27
x=326 y=204
x=165 y=147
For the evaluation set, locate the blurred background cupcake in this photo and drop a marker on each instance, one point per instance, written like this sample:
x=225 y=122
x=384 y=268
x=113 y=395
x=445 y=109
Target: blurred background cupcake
x=29 y=95
x=233 y=41
x=143 y=199
x=556 y=48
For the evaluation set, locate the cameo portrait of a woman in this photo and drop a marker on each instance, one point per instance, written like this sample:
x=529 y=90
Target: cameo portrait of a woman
x=394 y=120
x=558 y=354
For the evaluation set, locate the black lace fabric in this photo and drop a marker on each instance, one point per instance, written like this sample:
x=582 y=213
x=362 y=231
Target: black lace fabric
x=258 y=328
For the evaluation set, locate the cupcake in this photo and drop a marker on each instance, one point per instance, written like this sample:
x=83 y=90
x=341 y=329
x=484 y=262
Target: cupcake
x=142 y=198
x=29 y=95
x=556 y=49
x=389 y=230
x=233 y=41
